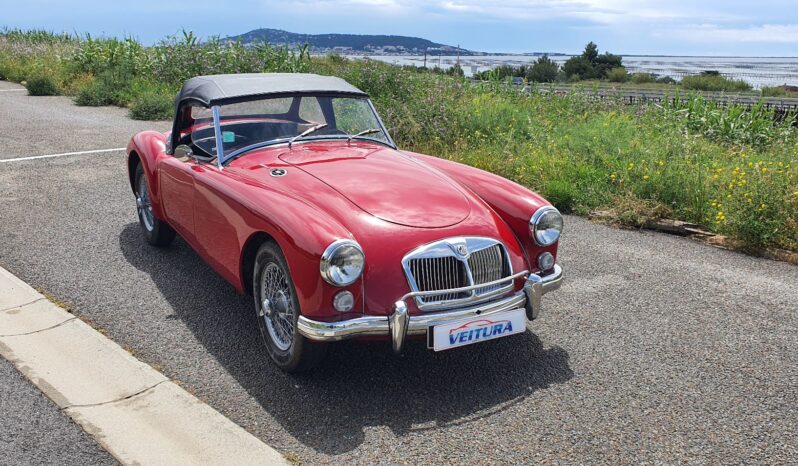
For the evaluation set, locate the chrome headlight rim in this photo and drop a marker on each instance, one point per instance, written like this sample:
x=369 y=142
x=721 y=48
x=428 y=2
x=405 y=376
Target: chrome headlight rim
x=534 y=222
x=325 y=266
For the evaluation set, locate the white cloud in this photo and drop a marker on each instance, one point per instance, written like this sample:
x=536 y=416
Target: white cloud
x=627 y=21
x=766 y=33
x=601 y=12
x=349 y=7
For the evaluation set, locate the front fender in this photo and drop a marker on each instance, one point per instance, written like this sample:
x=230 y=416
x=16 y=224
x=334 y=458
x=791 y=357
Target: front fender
x=232 y=211
x=146 y=148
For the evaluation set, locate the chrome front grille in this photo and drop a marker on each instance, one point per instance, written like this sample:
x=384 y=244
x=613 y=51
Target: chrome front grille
x=457 y=263
x=487 y=265
x=439 y=273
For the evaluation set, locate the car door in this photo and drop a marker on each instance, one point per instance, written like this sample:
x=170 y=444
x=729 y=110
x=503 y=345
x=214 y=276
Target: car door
x=217 y=219
x=176 y=178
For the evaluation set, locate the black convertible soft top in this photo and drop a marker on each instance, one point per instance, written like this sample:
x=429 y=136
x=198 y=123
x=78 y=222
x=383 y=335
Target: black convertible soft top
x=218 y=88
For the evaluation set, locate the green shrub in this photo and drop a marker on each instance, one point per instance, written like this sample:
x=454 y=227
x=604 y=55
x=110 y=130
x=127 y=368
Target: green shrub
x=642 y=78
x=109 y=88
x=666 y=80
x=578 y=68
x=152 y=107
x=733 y=124
x=713 y=82
x=42 y=84
x=618 y=75
x=544 y=70
x=778 y=91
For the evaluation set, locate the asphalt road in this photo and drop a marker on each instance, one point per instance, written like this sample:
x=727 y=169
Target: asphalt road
x=657 y=349
x=33 y=431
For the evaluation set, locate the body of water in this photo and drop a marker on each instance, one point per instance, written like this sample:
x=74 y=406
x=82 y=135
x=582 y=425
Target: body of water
x=756 y=71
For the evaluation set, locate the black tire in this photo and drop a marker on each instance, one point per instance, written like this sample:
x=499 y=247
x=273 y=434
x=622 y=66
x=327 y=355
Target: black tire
x=301 y=354
x=156 y=232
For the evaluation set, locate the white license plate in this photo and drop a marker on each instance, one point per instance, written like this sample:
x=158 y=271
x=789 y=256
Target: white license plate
x=477 y=329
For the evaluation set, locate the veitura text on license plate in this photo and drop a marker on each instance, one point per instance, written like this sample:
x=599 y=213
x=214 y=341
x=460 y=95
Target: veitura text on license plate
x=477 y=329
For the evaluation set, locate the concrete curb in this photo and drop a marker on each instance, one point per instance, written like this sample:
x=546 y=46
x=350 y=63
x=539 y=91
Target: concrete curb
x=132 y=410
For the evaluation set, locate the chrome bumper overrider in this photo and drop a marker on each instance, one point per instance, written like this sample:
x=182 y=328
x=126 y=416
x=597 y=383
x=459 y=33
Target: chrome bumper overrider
x=400 y=323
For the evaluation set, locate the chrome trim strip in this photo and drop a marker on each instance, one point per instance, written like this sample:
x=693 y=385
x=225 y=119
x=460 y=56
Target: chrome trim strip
x=382 y=125
x=284 y=141
x=470 y=299
x=217 y=133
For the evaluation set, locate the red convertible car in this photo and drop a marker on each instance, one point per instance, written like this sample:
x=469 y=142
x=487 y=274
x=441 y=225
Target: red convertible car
x=291 y=188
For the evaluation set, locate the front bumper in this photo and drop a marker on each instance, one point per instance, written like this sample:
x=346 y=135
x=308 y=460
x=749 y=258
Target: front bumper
x=400 y=323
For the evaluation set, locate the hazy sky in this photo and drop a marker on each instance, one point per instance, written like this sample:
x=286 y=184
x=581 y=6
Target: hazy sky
x=693 y=27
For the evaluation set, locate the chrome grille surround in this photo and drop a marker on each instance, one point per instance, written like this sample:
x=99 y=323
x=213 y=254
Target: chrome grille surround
x=457 y=262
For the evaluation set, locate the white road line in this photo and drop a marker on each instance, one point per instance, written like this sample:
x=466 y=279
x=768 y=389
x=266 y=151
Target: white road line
x=49 y=156
x=12 y=90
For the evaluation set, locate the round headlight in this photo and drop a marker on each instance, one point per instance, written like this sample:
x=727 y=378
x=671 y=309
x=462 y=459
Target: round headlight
x=546 y=226
x=342 y=262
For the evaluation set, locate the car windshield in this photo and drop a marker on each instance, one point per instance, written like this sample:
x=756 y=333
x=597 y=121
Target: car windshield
x=256 y=123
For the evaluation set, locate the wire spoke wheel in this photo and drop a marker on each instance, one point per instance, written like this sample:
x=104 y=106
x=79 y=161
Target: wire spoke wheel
x=277 y=306
x=144 y=205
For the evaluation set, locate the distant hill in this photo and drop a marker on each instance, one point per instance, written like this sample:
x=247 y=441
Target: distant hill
x=349 y=43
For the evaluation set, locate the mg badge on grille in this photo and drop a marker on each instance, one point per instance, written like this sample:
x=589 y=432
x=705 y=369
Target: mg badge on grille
x=462 y=249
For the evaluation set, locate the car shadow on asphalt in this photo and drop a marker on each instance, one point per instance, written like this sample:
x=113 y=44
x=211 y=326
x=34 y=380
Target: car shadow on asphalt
x=360 y=384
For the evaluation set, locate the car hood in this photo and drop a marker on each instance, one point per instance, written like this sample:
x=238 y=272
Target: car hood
x=384 y=182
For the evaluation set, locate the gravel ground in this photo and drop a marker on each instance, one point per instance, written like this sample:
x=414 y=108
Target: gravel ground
x=657 y=349
x=34 y=431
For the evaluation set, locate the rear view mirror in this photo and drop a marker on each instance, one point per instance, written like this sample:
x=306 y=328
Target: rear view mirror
x=183 y=151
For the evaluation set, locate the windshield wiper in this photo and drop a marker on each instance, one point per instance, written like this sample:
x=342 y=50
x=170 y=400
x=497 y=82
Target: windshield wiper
x=363 y=133
x=310 y=130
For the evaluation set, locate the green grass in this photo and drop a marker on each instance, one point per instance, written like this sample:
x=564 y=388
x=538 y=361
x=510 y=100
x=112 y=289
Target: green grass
x=714 y=83
x=732 y=170
x=779 y=91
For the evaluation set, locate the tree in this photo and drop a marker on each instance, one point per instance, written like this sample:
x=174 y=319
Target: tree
x=591 y=65
x=591 y=52
x=544 y=70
